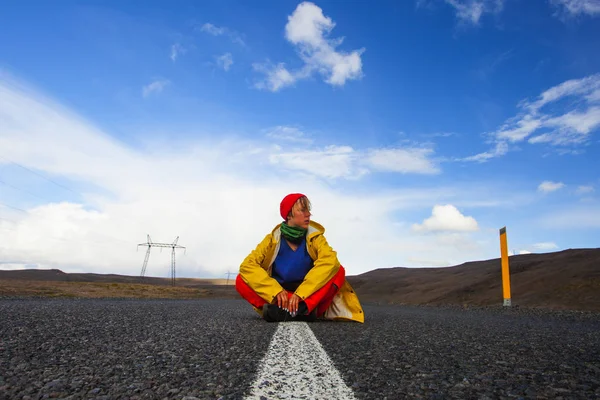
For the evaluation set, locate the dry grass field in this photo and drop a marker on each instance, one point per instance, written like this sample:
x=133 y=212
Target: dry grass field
x=567 y=279
x=37 y=288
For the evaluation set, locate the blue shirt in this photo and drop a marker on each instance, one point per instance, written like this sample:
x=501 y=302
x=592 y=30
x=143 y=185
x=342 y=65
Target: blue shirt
x=290 y=267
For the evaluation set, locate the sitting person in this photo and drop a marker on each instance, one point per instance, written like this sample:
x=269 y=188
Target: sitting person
x=293 y=274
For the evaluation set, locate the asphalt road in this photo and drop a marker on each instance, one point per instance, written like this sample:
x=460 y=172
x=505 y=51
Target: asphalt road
x=211 y=349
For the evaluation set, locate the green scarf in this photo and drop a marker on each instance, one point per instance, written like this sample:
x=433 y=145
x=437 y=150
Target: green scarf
x=293 y=233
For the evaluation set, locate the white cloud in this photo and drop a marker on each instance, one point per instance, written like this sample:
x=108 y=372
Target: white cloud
x=176 y=50
x=572 y=87
x=594 y=96
x=156 y=86
x=462 y=243
x=334 y=162
x=583 y=189
x=539 y=247
x=577 y=7
x=500 y=149
x=289 y=134
x=446 y=218
x=578 y=122
x=436 y=134
x=308 y=30
x=470 y=11
x=277 y=77
x=404 y=160
x=331 y=162
x=567 y=123
x=549 y=186
x=214 y=30
x=518 y=131
x=544 y=246
x=571 y=128
x=225 y=61
x=200 y=189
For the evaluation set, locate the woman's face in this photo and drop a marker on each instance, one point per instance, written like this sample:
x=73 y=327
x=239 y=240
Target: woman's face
x=300 y=216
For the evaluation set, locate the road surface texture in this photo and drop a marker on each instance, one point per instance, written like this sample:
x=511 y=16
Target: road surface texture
x=211 y=349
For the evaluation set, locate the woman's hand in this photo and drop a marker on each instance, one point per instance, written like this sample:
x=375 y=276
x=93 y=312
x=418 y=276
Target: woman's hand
x=293 y=304
x=282 y=299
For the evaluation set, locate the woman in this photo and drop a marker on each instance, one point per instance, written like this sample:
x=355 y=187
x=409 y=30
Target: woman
x=293 y=274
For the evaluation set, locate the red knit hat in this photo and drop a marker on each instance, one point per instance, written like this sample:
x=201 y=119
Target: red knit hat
x=287 y=203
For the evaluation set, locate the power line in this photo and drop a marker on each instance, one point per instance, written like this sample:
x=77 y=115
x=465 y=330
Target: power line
x=14 y=208
x=47 y=199
x=96 y=243
x=41 y=176
x=173 y=245
x=22 y=190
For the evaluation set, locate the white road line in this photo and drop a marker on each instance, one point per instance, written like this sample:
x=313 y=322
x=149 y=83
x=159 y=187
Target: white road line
x=297 y=367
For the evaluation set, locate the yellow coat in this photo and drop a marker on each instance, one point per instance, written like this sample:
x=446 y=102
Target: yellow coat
x=256 y=271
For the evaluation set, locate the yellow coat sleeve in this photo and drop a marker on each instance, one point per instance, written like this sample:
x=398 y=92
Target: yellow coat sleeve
x=326 y=265
x=257 y=277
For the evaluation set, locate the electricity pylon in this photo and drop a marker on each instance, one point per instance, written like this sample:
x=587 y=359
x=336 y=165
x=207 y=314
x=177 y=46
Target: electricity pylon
x=151 y=244
x=228 y=274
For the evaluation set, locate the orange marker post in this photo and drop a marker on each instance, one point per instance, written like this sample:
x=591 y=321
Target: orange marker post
x=505 y=269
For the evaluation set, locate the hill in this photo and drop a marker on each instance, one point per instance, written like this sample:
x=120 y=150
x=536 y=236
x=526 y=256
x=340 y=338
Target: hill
x=568 y=279
x=60 y=276
x=56 y=283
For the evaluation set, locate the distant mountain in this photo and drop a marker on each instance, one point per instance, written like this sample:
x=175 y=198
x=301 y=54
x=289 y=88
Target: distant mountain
x=568 y=279
x=60 y=276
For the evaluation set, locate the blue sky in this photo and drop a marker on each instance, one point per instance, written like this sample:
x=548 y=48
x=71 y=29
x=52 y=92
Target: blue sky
x=417 y=128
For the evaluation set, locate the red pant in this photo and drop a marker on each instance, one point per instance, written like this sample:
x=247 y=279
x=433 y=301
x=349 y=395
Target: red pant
x=321 y=299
